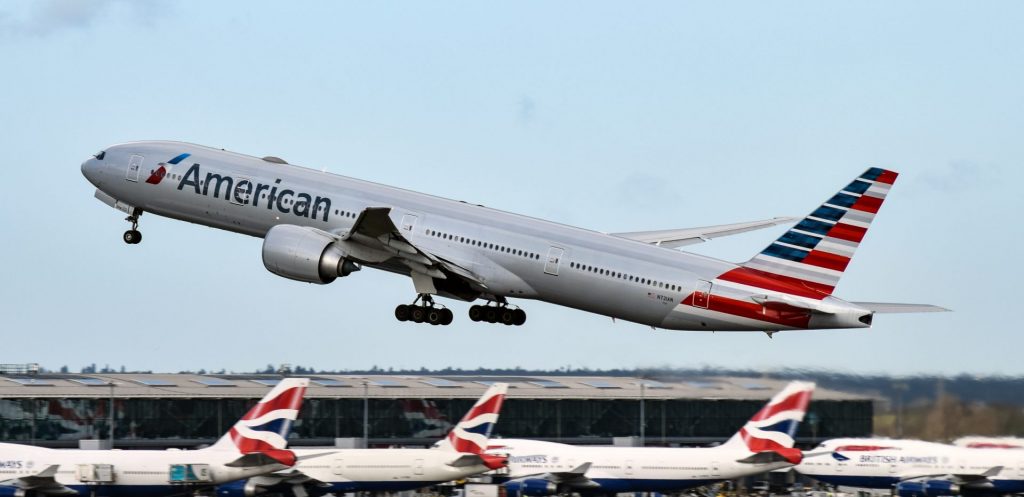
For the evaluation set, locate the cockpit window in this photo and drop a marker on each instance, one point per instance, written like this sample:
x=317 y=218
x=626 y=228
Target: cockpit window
x=100 y=155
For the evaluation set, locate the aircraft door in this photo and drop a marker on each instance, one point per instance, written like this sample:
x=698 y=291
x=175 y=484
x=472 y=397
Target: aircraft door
x=629 y=466
x=338 y=467
x=134 y=165
x=716 y=469
x=417 y=468
x=408 y=225
x=553 y=260
x=702 y=294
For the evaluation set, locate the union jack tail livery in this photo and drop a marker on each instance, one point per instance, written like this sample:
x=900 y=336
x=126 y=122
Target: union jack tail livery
x=773 y=427
x=811 y=257
x=263 y=431
x=471 y=434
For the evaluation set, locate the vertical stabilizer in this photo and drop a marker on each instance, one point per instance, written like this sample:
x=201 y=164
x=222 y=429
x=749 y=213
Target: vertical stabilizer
x=471 y=434
x=264 y=429
x=773 y=427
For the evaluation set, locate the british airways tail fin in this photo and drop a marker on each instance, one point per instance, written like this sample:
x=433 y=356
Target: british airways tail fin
x=261 y=436
x=471 y=434
x=812 y=255
x=773 y=427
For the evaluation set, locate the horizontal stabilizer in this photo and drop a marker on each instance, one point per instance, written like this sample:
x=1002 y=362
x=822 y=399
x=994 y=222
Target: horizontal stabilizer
x=688 y=236
x=891 y=308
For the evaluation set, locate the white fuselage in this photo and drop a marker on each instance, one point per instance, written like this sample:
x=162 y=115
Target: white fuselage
x=512 y=256
x=629 y=469
x=136 y=473
x=882 y=463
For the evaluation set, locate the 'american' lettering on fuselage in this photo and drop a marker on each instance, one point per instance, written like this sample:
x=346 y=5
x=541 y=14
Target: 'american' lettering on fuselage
x=243 y=191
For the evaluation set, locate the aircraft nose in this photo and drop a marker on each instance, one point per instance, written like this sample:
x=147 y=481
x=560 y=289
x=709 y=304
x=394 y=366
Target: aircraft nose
x=91 y=170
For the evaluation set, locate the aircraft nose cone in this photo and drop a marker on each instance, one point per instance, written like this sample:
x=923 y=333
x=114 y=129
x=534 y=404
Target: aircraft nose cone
x=91 y=170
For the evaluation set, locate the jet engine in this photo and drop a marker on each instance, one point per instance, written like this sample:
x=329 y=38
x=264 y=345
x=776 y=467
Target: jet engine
x=927 y=488
x=11 y=491
x=533 y=487
x=303 y=254
x=241 y=488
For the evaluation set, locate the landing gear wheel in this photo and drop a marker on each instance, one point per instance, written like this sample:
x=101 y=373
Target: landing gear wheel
x=434 y=316
x=506 y=317
x=491 y=314
x=131 y=237
x=402 y=312
x=419 y=314
x=476 y=313
x=519 y=317
x=447 y=316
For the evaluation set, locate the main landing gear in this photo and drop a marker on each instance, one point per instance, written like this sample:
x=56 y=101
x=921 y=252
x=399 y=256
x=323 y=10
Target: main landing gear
x=498 y=313
x=425 y=312
x=133 y=236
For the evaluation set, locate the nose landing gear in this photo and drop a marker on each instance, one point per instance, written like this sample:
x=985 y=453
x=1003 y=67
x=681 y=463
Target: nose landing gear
x=133 y=236
x=425 y=312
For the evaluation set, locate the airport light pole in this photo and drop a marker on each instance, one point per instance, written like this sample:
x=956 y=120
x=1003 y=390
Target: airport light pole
x=643 y=419
x=111 y=427
x=366 y=415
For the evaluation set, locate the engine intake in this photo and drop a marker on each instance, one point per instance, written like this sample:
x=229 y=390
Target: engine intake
x=927 y=488
x=302 y=254
x=533 y=487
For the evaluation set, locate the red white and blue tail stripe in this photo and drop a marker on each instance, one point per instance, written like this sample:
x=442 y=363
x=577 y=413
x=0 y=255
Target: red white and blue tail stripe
x=812 y=256
x=773 y=427
x=471 y=434
x=265 y=428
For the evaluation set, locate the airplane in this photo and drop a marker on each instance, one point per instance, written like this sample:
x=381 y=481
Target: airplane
x=456 y=457
x=255 y=445
x=913 y=468
x=318 y=226
x=765 y=443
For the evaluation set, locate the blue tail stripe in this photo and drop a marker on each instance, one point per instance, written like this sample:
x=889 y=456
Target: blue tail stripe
x=482 y=429
x=829 y=213
x=784 y=252
x=800 y=239
x=788 y=427
x=873 y=173
x=178 y=159
x=857 y=187
x=842 y=200
x=280 y=426
x=814 y=226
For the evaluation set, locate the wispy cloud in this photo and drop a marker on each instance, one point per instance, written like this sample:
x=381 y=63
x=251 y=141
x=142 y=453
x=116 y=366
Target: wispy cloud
x=527 y=107
x=47 y=17
x=959 y=176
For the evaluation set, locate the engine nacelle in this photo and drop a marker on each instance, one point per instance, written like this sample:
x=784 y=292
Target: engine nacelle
x=302 y=254
x=927 y=488
x=533 y=487
x=242 y=488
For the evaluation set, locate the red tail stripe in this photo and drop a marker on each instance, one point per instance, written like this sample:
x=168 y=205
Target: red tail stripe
x=827 y=260
x=847 y=232
x=289 y=399
x=760 y=444
x=463 y=445
x=776 y=282
x=491 y=406
x=787 y=315
x=253 y=446
x=887 y=177
x=867 y=203
x=798 y=401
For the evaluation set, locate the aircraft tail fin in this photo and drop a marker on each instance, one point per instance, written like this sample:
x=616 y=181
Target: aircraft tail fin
x=473 y=431
x=263 y=431
x=809 y=259
x=773 y=427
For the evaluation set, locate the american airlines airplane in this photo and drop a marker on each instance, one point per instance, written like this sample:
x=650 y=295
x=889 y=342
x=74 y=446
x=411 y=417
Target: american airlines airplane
x=255 y=445
x=458 y=456
x=318 y=226
x=912 y=468
x=764 y=444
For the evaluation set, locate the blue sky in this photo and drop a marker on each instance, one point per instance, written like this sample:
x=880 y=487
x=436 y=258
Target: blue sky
x=609 y=116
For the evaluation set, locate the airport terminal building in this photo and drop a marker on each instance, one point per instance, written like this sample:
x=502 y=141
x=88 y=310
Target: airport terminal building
x=186 y=410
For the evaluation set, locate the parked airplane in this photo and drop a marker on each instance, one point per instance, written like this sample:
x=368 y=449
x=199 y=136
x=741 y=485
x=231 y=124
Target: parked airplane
x=458 y=456
x=912 y=468
x=255 y=445
x=764 y=444
x=318 y=226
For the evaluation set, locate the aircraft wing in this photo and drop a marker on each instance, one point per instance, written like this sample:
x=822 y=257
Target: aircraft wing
x=575 y=478
x=976 y=480
x=374 y=238
x=41 y=483
x=689 y=236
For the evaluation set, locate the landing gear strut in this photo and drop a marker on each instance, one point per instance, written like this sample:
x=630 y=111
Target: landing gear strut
x=498 y=313
x=133 y=236
x=426 y=312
